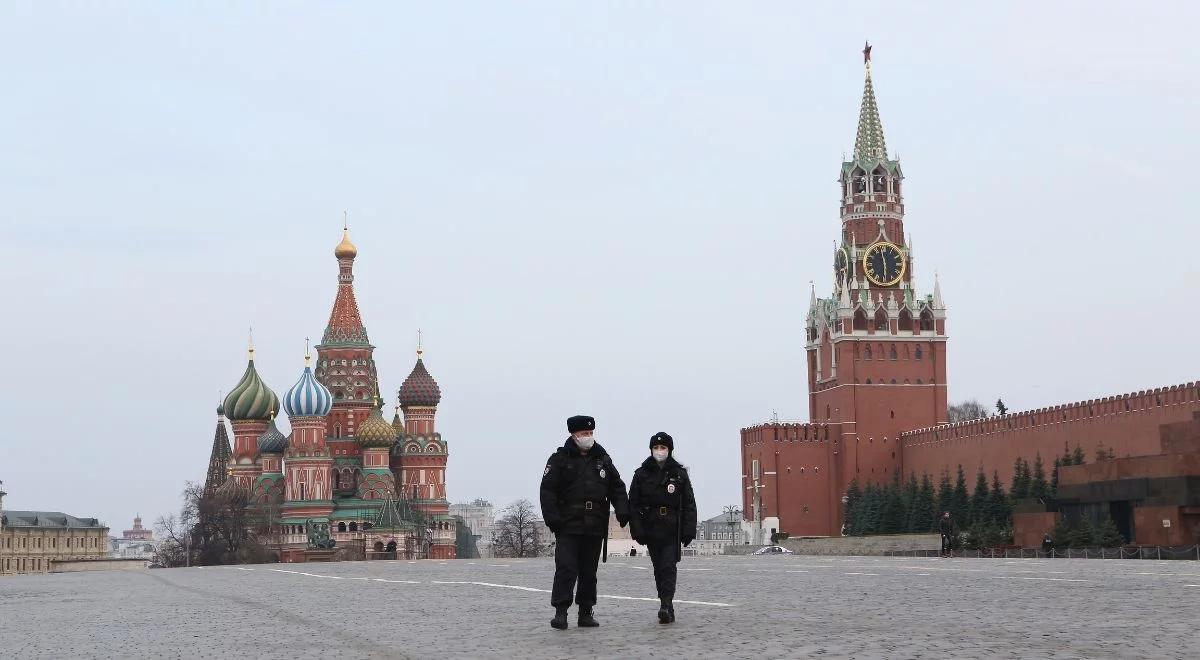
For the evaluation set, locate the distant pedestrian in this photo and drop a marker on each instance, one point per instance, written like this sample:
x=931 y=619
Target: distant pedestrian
x=578 y=484
x=1047 y=544
x=946 y=529
x=663 y=516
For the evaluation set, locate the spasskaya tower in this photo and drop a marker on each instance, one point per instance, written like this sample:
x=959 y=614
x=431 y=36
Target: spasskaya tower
x=876 y=347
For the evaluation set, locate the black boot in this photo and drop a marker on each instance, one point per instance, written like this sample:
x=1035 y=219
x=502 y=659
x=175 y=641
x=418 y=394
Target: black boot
x=560 y=618
x=665 y=613
x=586 y=620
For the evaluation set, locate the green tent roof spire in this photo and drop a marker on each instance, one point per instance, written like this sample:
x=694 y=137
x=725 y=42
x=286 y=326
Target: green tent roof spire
x=869 y=144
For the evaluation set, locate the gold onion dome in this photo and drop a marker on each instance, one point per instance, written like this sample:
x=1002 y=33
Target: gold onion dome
x=250 y=399
x=345 y=249
x=376 y=431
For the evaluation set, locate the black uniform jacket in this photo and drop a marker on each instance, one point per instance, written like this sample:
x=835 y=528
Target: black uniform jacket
x=662 y=505
x=577 y=489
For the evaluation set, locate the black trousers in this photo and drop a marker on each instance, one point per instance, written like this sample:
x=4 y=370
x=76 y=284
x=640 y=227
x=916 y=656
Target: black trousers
x=575 y=559
x=664 y=557
x=947 y=543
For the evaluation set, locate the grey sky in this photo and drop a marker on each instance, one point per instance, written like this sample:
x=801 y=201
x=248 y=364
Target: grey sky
x=606 y=208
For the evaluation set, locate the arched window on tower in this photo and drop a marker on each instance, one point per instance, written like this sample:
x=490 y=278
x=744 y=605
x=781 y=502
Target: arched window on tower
x=926 y=320
x=892 y=353
x=860 y=319
x=881 y=321
x=917 y=354
x=859 y=181
x=867 y=352
x=341 y=526
x=879 y=180
x=337 y=429
x=906 y=321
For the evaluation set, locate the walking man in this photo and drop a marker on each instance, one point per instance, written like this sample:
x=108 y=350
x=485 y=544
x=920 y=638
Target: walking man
x=578 y=485
x=946 y=528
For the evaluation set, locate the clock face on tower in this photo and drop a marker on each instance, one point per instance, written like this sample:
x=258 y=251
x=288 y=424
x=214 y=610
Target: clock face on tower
x=883 y=263
x=841 y=261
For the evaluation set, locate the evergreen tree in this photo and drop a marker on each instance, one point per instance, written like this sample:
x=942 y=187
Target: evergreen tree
x=945 y=497
x=979 y=499
x=999 y=512
x=961 y=501
x=853 y=497
x=1077 y=456
x=1038 y=488
x=1015 y=487
x=1054 y=477
x=912 y=492
x=872 y=506
x=1107 y=534
x=1101 y=452
x=892 y=515
x=1082 y=534
x=924 y=510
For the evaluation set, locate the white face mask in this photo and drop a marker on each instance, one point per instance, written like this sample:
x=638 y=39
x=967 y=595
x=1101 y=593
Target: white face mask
x=660 y=455
x=585 y=442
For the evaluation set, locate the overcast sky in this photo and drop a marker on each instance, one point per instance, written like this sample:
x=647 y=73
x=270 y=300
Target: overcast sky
x=602 y=208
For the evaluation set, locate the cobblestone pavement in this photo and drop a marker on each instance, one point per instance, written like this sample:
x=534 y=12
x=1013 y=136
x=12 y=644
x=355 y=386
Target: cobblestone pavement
x=744 y=607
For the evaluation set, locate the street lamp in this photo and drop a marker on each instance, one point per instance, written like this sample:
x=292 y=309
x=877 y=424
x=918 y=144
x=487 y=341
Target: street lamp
x=733 y=514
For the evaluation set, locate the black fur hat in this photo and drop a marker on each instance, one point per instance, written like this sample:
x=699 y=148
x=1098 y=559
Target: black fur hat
x=662 y=438
x=580 y=423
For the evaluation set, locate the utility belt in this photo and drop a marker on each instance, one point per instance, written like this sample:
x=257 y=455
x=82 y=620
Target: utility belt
x=588 y=505
x=657 y=510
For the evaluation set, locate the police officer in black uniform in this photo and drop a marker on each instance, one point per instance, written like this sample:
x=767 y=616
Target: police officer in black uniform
x=662 y=507
x=578 y=484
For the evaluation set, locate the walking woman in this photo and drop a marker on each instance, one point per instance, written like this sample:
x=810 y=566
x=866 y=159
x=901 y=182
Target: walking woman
x=663 y=516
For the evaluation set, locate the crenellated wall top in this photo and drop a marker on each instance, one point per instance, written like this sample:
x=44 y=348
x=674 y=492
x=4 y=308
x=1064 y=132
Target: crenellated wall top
x=1069 y=412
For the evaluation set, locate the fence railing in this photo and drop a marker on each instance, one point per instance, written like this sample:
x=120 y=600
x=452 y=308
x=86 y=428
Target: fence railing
x=1141 y=552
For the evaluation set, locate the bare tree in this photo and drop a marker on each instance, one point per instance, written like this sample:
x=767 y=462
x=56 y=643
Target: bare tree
x=518 y=531
x=216 y=529
x=965 y=411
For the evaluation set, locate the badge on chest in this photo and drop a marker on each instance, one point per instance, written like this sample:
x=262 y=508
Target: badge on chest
x=601 y=473
x=671 y=488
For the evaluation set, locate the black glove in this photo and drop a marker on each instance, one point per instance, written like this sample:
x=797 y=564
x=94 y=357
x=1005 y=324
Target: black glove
x=687 y=540
x=622 y=519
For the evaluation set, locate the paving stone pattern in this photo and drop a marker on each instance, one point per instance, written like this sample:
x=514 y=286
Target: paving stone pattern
x=745 y=607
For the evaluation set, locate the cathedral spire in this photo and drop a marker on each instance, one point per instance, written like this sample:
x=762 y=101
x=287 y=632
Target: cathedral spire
x=345 y=324
x=218 y=461
x=869 y=145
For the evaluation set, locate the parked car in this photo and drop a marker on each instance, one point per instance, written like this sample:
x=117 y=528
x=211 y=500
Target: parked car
x=773 y=550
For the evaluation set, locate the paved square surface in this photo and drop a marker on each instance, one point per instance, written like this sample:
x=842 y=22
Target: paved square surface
x=743 y=607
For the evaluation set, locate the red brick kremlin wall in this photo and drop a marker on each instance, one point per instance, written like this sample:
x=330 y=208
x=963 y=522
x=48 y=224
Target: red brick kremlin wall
x=796 y=475
x=1128 y=424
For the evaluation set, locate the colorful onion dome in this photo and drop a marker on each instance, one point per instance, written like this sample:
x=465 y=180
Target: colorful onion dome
x=250 y=399
x=272 y=441
x=345 y=249
x=375 y=432
x=232 y=490
x=420 y=389
x=308 y=397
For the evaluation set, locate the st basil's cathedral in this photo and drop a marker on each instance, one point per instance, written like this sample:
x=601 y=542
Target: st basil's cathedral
x=344 y=466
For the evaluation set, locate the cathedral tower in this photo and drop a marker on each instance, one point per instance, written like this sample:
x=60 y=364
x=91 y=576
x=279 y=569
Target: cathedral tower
x=422 y=452
x=345 y=363
x=251 y=406
x=876 y=347
x=308 y=487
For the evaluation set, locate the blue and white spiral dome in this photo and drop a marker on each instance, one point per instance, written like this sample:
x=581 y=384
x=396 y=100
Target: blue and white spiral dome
x=307 y=398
